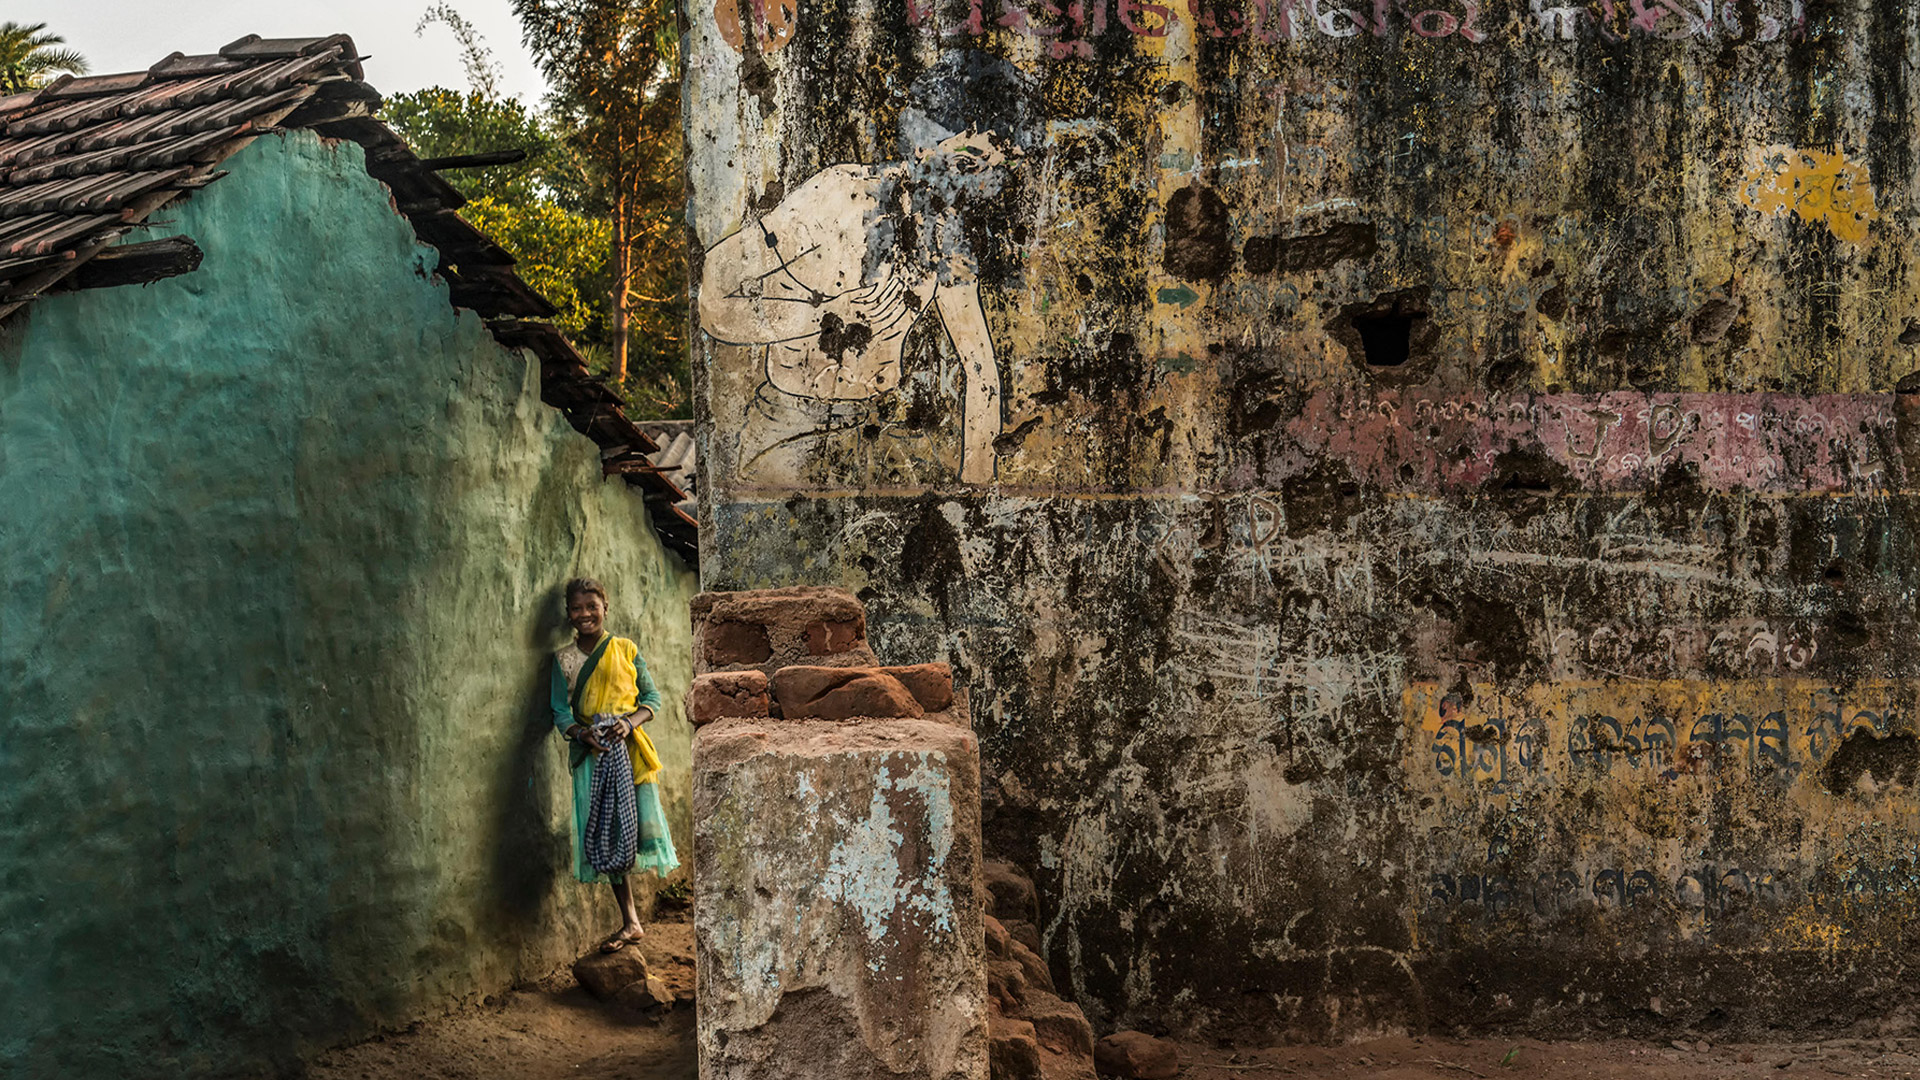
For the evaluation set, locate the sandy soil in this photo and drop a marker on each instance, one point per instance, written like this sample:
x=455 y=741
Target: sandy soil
x=544 y=1031
x=553 y=1029
x=1495 y=1059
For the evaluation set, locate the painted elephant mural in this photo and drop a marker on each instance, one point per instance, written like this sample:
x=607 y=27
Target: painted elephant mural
x=823 y=289
x=826 y=285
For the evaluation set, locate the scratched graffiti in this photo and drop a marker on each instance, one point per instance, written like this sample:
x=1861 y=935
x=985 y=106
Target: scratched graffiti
x=1070 y=27
x=1718 y=890
x=1743 y=647
x=1617 y=441
x=1839 y=885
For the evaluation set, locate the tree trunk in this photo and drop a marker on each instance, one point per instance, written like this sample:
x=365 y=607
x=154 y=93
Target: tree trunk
x=622 y=274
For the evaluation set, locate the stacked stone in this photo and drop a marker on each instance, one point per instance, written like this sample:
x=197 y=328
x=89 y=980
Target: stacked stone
x=1033 y=1033
x=838 y=912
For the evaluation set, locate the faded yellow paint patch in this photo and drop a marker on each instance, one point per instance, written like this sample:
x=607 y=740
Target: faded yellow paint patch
x=1817 y=185
x=1500 y=743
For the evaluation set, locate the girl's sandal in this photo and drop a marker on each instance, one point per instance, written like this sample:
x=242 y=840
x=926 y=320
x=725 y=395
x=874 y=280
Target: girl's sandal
x=620 y=940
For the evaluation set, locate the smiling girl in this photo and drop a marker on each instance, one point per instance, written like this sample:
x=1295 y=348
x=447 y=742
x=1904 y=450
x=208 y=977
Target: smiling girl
x=604 y=680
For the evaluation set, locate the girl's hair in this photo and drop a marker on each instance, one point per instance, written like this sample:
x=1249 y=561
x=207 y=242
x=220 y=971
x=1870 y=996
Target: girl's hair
x=581 y=585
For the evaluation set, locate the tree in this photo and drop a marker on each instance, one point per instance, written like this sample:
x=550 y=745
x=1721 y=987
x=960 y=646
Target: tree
x=29 y=58
x=483 y=74
x=614 y=69
x=438 y=122
x=561 y=254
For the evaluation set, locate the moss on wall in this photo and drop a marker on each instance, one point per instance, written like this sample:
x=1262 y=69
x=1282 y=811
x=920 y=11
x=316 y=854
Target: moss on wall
x=280 y=561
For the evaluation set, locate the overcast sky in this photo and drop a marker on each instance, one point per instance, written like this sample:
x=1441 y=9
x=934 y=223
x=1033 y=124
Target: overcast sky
x=128 y=35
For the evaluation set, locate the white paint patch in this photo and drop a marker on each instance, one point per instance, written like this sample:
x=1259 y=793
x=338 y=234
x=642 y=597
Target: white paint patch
x=865 y=871
x=1276 y=808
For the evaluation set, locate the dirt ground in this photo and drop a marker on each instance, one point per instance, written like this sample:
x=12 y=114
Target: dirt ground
x=544 y=1031
x=1497 y=1059
x=553 y=1029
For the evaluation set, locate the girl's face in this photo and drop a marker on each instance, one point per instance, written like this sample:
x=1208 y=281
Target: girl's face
x=586 y=612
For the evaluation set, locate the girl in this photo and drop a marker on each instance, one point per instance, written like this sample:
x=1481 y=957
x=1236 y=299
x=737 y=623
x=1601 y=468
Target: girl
x=604 y=679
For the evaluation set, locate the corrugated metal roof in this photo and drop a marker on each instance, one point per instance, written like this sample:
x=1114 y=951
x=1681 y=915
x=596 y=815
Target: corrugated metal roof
x=86 y=160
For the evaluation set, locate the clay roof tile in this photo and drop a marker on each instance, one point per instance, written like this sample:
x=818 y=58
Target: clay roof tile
x=85 y=159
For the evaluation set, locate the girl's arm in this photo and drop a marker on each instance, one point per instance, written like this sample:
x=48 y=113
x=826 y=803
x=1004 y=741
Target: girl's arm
x=648 y=699
x=557 y=697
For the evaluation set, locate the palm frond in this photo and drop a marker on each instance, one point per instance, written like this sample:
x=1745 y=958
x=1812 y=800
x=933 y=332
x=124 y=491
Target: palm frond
x=57 y=60
x=29 y=57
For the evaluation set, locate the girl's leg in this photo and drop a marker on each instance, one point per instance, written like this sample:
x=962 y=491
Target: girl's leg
x=630 y=927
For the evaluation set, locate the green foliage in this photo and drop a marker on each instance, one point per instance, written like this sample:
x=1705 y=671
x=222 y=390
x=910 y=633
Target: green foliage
x=563 y=255
x=441 y=123
x=29 y=58
x=677 y=893
x=613 y=68
x=593 y=215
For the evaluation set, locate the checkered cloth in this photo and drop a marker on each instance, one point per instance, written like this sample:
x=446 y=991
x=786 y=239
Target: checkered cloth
x=613 y=820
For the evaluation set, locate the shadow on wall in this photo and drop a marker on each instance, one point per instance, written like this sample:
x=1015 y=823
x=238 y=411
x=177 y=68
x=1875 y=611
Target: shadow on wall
x=531 y=852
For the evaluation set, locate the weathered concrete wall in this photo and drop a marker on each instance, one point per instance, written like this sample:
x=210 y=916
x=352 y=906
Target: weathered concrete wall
x=279 y=569
x=1416 y=490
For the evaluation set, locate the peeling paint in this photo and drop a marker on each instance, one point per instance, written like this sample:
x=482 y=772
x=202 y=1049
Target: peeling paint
x=1347 y=358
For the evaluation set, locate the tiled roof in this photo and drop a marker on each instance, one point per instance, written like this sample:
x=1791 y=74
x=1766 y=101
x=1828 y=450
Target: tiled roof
x=85 y=161
x=678 y=459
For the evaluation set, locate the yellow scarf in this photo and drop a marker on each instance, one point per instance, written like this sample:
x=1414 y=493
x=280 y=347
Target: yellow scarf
x=614 y=688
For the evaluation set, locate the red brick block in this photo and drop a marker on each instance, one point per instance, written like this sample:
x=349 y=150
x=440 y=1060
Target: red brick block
x=737 y=643
x=724 y=694
x=827 y=638
x=930 y=684
x=1013 y=1053
x=840 y=693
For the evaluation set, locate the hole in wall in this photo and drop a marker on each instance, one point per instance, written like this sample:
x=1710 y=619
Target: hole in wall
x=1392 y=337
x=1386 y=339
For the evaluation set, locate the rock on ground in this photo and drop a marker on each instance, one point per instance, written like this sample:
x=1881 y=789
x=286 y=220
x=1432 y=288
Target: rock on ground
x=647 y=995
x=1136 y=1055
x=606 y=974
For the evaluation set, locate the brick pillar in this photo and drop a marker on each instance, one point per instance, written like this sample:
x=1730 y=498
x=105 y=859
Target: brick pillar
x=836 y=852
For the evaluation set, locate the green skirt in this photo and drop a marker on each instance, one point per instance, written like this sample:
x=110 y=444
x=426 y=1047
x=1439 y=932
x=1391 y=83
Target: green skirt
x=656 y=840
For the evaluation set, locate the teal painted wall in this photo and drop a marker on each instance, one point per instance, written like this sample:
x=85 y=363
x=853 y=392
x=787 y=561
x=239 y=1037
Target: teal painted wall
x=280 y=549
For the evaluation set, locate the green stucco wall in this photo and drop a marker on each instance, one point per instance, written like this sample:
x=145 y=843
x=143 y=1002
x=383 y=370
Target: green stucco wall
x=280 y=551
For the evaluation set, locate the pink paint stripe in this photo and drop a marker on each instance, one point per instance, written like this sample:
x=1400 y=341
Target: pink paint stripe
x=1609 y=442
